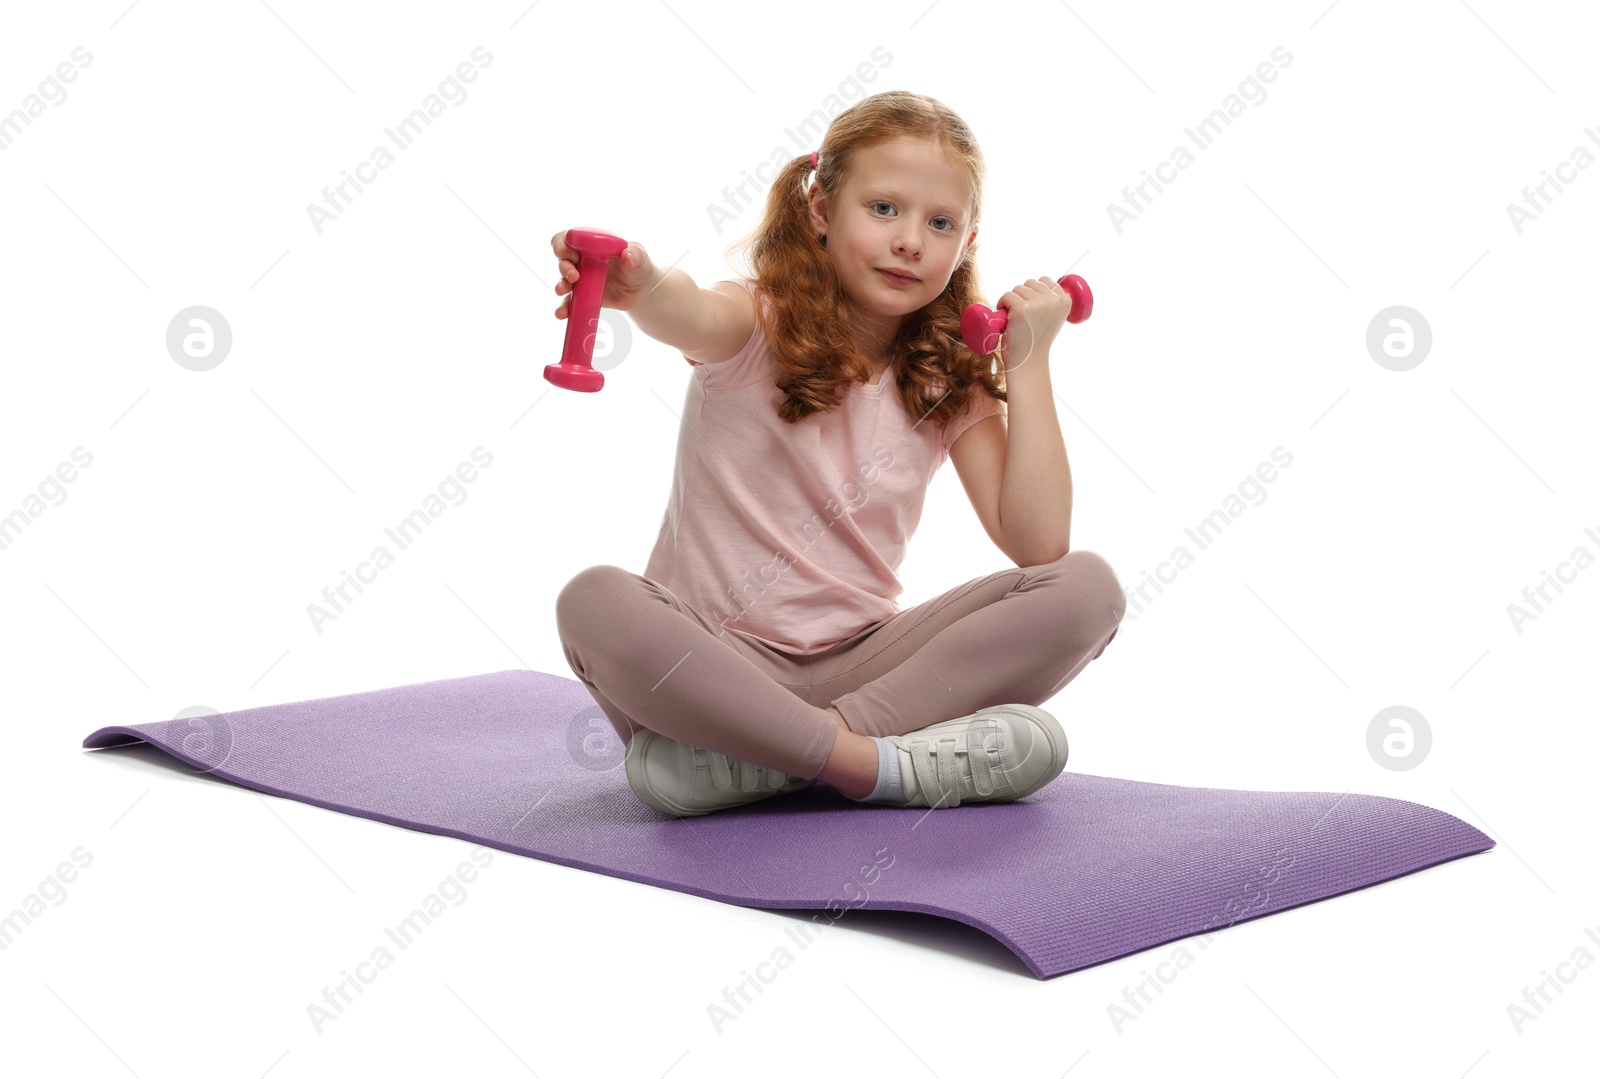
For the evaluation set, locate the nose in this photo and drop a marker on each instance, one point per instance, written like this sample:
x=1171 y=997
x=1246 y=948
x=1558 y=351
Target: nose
x=907 y=248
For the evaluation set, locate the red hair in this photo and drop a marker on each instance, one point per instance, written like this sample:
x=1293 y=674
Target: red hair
x=808 y=326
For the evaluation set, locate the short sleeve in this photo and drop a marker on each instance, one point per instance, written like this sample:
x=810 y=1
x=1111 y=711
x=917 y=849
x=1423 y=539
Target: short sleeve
x=980 y=406
x=697 y=363
x=750 y=364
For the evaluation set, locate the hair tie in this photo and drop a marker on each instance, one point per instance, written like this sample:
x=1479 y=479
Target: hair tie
x=813 y=161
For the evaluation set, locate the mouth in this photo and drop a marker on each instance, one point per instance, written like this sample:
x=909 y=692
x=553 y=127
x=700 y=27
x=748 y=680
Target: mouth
x=896 y=277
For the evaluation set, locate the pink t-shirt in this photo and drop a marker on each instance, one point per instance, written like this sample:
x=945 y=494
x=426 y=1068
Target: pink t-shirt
x=793 y=533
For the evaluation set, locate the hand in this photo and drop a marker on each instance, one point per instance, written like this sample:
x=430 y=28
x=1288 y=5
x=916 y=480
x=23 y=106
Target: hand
x=1035 y=312
x=628 y=278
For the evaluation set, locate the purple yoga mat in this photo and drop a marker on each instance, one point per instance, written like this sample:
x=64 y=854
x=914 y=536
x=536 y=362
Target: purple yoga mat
x=1085 y=870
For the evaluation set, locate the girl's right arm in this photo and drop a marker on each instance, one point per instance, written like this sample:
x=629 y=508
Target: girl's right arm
x=706 y=325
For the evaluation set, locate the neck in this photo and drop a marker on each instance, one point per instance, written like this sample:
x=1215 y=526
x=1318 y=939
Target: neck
x=873 y=341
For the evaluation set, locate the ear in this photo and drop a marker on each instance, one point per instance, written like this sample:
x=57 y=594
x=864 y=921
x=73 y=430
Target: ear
x=817 y=204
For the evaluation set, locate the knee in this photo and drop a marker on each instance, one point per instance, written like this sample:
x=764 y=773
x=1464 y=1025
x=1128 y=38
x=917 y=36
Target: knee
x=1097 y=584
x=590 y=590
x=1091 y=566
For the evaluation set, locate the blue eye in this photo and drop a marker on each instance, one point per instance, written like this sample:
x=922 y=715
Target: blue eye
x=950 y=227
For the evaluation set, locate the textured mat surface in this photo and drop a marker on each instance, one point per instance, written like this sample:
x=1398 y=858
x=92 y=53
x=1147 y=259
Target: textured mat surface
x=1085 y=870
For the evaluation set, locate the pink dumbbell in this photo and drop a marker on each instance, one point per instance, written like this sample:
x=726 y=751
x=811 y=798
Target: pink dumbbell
x=576 y=370
x=981 y=328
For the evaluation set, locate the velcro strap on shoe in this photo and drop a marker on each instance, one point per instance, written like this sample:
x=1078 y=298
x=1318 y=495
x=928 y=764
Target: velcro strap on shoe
x=721 y=772
x=949 y=781
x=983 y=772
x=751 y=776
x=937 y=778
x=725 y=770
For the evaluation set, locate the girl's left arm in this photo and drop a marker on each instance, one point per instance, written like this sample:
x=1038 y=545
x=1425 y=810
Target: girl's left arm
x=1036 y=487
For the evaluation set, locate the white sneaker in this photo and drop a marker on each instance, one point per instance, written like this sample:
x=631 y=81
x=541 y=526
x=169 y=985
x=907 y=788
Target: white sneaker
x=996 y=754
x=688 y=781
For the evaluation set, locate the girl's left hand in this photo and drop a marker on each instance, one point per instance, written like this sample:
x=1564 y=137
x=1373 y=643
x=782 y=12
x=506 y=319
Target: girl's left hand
x=1035 y=312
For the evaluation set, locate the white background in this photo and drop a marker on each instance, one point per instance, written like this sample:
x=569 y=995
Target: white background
x=370 y=359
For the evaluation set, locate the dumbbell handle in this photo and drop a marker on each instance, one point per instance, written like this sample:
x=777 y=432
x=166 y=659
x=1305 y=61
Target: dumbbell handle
x=981 y=328
x=576 y=370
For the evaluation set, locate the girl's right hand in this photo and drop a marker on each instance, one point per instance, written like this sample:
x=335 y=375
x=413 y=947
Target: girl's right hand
x=629 y=278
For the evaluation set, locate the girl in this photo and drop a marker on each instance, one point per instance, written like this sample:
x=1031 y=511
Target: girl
x=762 y=650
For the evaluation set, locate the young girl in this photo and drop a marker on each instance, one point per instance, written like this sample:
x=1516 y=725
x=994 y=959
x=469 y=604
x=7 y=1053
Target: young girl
x=762 y=649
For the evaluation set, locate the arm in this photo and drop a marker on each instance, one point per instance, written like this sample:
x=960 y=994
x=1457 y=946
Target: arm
x=1036 y=487
x=673 y=311
x=706 y=325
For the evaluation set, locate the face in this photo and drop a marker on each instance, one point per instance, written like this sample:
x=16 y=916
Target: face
x=904 y=206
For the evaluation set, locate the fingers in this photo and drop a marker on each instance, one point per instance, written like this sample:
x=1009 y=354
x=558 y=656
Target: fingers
x=563 y=254
x=566 y=267
x=567 y=271
x=568 y=274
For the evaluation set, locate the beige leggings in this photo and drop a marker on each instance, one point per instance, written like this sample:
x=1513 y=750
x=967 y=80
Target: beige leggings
x=650 y=660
